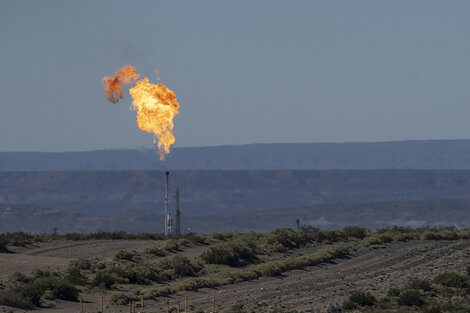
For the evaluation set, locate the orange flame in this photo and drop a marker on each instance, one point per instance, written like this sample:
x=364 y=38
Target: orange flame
x=113 y=85
x=156 y=105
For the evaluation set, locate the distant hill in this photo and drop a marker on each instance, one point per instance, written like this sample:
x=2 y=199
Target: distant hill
x=430 y=154
x=38 y=219
x=227 y=192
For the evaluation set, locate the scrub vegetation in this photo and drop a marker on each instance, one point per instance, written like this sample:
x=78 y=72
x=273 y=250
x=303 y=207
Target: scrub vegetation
x=166 y=267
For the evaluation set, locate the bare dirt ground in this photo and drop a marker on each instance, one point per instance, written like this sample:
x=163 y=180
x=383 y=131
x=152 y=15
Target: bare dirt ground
x=311 y=290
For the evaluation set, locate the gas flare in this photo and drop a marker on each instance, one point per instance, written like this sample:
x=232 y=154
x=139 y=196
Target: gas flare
x=113 y=85
x=155 y=104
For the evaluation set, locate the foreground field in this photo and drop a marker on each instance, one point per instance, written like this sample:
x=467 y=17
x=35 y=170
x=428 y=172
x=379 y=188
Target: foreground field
x=283 y=271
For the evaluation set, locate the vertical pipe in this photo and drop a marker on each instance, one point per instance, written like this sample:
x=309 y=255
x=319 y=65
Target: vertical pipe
x=166 y=203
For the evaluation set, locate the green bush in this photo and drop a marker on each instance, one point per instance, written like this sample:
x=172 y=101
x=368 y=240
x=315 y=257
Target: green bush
x=410 y=297
x=355 y=232
x=17 y=298
x=123 y=298
x=451 y=279
x=125 y=255
x=82 y=264
x=235 y=253
x=74 y=277
x=155 y=292
x=268 y=269
x=194 y=284
x=393 y=292
x=217 y=236
x=184 y=242
x=183 y=266
x=433 y=308
x=377 y=239
x=285 y=238
x=198 y=239
x=17 y=238
x=309 y=232
x=3 y=245
x=104 y=279
x=154 y=251
x=171 y=245
x=330 y=236
x=419 y=284
x=27 y=291
x=359 y=298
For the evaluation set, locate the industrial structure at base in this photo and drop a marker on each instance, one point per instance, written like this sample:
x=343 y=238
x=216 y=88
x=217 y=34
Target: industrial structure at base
x=170 y=228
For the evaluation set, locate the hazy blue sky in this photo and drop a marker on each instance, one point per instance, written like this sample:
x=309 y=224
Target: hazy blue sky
x=243 y=71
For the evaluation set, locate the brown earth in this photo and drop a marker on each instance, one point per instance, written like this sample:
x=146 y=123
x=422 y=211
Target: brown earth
x=311 y=290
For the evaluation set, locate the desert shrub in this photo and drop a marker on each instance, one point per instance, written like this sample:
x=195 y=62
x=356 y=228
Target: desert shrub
x=74 y=236
x=138 y=273
x=393 y=292
x=194 y=284
x=97 y=265
x=74 y=277
x=62 y=289
x=410 y=297
x=377 y=239
x=184 y=242
x=125 y=255
x=132 y=274
x=451 y=279
x=17 y=238
x=433 y=308
x=449 y=234
x=216 y=236
x=154 y=251
x=430 y=235
x=309 y=232
x=355 y=232
x=440 y=234
x=3 y=245
x=359 y=298
x=155 y=292
x=198 y=239
x=464 y=234
x=221 y=254
x=123 y=298
x=235 y=253
x=274 y=268
x=330 y=236
x=268 y=269
x=104 y=279
x=82 y=264
x=27 y=291
x=419 y=284
x=183 y=266
x=16 y=297
x=243 y=276
x=335 y=308
x=171 y=245
x=285 y=238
